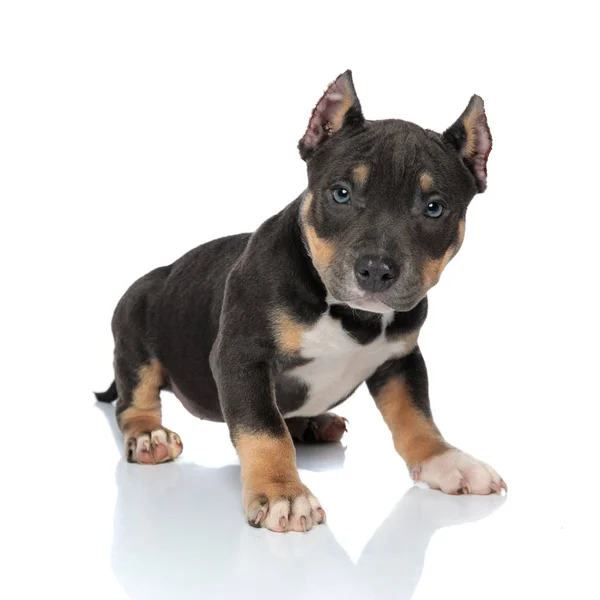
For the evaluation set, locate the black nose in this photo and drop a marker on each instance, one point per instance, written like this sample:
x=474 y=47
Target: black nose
x=375 y=273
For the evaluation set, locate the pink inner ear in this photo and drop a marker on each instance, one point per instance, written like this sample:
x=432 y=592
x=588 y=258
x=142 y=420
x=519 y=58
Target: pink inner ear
x=327 y=116
x=483 y=147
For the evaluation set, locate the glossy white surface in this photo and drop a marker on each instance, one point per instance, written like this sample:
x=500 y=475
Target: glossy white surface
x=131 y=132
x=87 y=524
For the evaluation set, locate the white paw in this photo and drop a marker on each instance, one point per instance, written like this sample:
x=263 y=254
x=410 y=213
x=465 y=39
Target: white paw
x=284 y=515
x=284 y=509
x=456 y=472
x=153 y=447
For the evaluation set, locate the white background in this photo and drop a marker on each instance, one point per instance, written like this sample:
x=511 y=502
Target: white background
x=132 y=131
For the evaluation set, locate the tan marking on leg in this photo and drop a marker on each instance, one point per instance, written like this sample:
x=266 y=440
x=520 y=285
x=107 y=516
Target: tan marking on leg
x=426 y=181
x=134 y=421
x=432 y=270
x=360 y=174
x=321 y=251
x=144 y=413
x=146 y=440
x=288 y=333
x=273 y=495
x=269 y=469
x=266 y=460
x=150 y=378
x=416 y=437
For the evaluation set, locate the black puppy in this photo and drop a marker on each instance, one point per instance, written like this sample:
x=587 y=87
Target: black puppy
x=269 y=331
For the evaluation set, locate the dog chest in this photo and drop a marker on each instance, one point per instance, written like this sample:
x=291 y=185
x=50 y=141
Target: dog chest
x=338 y=363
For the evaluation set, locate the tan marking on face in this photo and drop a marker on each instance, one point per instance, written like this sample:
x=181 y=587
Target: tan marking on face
x=321 y=251
x=288 y=332
x=267 y=463
x=470 y=125
x=337 y=120
x=432 y=270
x=306 y=204
x=360 y=174
x=144 y=413
x=426 y=181
x=416 y=437
x=461 y=234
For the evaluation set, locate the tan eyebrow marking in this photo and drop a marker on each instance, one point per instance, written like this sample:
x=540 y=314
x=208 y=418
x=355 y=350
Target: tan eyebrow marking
x=360 y=174
x=426 y=181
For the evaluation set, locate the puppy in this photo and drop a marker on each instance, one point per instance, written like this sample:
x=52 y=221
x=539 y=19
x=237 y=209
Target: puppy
x=271 y=330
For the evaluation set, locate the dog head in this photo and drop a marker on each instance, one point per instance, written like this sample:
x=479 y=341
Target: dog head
x=385 y=207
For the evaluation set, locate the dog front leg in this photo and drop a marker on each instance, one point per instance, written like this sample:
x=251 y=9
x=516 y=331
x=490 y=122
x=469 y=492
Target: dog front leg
x=272 y=493
x=400 y=390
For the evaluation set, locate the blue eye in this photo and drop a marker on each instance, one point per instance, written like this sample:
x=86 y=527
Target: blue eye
x=434 y=210
x=340 y=195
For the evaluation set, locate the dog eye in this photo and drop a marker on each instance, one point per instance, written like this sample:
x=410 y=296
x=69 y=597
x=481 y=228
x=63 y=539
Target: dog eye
x=434 y=210
x=340 y=195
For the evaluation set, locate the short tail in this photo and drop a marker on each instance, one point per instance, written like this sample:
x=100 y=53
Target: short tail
x=110 y=395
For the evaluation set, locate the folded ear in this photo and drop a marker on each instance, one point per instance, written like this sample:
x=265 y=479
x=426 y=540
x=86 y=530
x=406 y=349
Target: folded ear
x=471 y=137
x=337 y=109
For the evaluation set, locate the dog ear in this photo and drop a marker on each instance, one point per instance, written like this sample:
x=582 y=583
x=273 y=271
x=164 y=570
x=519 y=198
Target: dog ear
x=471 y=137
x=338 y=108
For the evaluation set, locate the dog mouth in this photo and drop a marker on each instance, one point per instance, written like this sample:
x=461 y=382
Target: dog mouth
x=377 y=303
x=370 y=305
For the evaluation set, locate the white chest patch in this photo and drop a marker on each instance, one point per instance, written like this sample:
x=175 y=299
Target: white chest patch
x=340 y=363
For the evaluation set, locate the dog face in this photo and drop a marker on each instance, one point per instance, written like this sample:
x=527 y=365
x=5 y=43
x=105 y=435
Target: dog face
x=385 y=208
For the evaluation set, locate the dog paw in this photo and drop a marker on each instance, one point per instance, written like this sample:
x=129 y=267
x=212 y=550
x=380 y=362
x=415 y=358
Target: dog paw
x=455 y=472
x=153 y=447
x=283 y=507
x=327 y=427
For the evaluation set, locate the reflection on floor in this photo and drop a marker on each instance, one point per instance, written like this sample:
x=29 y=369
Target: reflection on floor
x=178 y=534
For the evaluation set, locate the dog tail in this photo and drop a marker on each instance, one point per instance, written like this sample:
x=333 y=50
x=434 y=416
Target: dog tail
x=110 y=395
